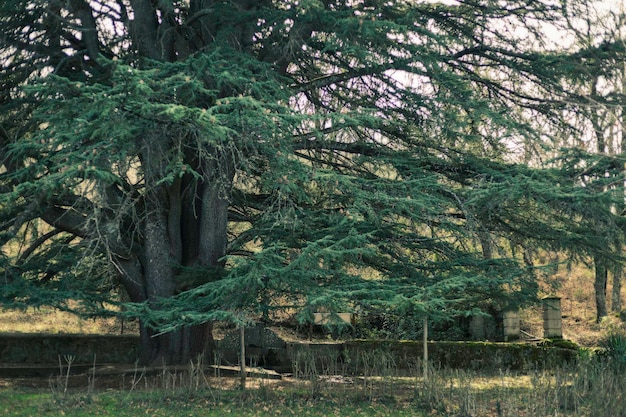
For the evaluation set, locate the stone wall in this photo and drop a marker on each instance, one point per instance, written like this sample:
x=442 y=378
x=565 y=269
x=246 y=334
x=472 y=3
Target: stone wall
x=265 y=348
x=35 y=349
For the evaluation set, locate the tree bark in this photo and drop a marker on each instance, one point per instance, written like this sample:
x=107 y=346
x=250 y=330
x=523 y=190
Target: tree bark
x=144 y=29
x=601 y=272
x=600 y=288
x=618 y=273
x=616 y=292
x=214 y=219
x=185 y=224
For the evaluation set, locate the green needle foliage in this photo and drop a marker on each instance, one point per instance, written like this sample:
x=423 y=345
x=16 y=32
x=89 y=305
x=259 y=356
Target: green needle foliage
x=217 y=160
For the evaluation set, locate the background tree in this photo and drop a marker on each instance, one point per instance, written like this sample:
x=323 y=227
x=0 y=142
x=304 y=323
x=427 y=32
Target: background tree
x=598 y=77
x=215 y=158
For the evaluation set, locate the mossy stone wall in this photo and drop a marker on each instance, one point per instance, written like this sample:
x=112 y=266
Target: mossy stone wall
x=34 y=349
x=468 y=355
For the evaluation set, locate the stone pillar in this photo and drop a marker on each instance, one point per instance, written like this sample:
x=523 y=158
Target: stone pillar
x=511 y=325
x=552 y=326
x=477 y=327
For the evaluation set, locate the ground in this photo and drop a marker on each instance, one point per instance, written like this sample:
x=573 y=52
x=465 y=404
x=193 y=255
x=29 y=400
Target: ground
x=574 y=285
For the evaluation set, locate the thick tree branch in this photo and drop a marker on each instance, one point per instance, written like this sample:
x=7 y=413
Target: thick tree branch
x=89 y=31
x=36 y=244
x=144 y=29
x=67 y=220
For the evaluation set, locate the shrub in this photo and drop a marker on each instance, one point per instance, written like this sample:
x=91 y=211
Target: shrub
x=614 y=347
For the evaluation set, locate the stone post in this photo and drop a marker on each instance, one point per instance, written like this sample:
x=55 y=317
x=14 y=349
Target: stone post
x=477 y=327
x=552 y=326
x=511 y=325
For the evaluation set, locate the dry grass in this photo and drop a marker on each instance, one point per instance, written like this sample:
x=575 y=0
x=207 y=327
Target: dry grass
x=575 y=287
x=48 y=320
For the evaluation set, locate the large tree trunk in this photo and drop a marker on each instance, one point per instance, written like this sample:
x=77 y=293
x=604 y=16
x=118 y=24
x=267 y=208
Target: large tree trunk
x=185 y=222
x=180 y=228
x=178 y=347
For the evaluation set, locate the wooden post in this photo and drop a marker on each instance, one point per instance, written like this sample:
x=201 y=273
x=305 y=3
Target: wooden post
x=242 y=355
x=425 y=347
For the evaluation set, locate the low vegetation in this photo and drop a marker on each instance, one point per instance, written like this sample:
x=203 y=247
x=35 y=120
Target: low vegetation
x=375 y=386
x=593 y=387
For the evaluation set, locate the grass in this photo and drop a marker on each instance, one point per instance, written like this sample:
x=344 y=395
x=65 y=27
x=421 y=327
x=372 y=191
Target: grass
x=592 y=388
x=49 y=320
x=201 y=403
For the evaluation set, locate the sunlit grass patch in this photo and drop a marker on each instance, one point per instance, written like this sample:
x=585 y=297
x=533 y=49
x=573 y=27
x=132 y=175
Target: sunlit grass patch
x=49 y=320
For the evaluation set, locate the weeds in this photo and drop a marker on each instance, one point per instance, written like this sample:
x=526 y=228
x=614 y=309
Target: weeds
x=59 y=384
x=91 y=380
x=137 y=378
x=614 y=346
x=591 y=387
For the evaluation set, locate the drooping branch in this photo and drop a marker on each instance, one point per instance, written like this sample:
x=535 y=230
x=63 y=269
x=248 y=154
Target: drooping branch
x=36 y=244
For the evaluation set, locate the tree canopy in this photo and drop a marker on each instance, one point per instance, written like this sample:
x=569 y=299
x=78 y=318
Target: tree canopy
x=220 y=158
